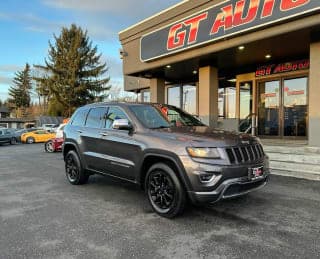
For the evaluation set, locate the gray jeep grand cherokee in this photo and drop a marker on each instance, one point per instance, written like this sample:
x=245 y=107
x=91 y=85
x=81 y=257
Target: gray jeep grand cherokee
x=169 y=153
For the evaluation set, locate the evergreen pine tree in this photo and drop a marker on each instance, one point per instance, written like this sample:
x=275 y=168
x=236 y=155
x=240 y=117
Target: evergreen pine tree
x=20 y=91
x=74 y=72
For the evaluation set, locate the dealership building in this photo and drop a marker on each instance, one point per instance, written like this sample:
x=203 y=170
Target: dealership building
x=249 y=65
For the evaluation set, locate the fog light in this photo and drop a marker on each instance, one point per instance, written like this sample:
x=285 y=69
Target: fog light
x=205 y=177
x=210 y=178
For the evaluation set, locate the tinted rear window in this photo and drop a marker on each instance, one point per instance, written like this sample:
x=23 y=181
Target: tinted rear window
x=80 y=117
x=95 y=117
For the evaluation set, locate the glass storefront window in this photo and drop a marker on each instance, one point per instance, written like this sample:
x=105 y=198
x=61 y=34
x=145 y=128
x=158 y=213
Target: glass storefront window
x=184 y=97
x=146 y=96
x=221 y=102
x=283 y=107
x=189 y=99
x=268 y=109
x=139 y=97
x=174 y=96
x=230 y=102
x=245 y=99
x=295 y=106
x=227 y=102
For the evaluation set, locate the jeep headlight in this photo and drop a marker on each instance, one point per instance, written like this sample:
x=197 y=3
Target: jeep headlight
x=204 y=152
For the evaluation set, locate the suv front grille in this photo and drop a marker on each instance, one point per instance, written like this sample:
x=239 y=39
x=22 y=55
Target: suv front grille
x=244 y=154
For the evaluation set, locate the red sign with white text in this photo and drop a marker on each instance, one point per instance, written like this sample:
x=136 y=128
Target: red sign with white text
x=282 y=68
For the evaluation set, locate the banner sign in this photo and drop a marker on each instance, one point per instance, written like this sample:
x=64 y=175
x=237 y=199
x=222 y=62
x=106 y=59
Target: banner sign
x=300 y=92
x=222 y=20
x=282 y=68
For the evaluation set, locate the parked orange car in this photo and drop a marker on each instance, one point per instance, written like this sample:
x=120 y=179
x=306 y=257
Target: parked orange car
x=37 y=136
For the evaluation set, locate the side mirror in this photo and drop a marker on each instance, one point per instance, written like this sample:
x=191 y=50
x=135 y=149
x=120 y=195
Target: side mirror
x=121 y=124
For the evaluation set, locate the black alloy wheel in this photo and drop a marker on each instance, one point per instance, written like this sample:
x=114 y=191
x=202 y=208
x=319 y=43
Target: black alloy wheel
x=161 y=190
x=165 y=192
x=74 y=171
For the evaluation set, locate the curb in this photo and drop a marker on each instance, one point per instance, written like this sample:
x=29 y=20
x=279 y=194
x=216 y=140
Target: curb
x=299 y=175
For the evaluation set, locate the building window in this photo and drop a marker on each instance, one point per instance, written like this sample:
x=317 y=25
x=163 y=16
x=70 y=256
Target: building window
x=221 y=102
x=245 y=99
x=174 y=96
x=227 y=102
x=184 y=97
x=189 y=100
x=145 y=96
x=139 y=97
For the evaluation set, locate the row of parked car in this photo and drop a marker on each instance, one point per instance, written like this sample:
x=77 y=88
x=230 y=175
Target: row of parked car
x=8 y=136
x=53 y=139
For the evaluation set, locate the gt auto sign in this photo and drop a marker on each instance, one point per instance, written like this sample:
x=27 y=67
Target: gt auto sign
x=222 y=20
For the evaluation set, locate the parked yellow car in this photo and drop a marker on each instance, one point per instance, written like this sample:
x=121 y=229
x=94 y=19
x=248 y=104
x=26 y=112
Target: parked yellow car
x=37 y=136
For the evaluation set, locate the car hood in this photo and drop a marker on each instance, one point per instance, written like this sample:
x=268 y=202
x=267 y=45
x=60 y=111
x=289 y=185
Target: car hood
x=207 y=137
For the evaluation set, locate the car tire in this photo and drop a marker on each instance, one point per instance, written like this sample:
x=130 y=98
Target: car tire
x=165 y=191
x=13 y=141
x=48 y=146
x=74 y=171
x=30 y=140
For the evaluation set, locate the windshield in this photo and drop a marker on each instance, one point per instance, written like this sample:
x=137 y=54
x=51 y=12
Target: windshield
x=149 y=116
x=178 y=117
x=162 y=116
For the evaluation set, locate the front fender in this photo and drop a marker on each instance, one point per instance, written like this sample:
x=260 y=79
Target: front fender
x=164 y=155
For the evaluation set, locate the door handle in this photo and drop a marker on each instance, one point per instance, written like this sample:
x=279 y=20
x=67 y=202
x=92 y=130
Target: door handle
x=104 y=134
x=79 y=131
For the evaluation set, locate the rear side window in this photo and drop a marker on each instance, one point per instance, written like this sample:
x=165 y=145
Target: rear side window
x=114 y=113
x=80 y=117
x=95 y=117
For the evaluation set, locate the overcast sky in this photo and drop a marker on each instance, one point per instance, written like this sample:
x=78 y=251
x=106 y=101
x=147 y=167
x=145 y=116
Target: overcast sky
x=27 y=26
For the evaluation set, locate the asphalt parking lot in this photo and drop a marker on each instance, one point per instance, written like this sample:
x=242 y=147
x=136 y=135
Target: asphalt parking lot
x=43 y=216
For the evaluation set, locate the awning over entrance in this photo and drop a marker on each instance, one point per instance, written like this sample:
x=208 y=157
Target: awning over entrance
x=240 y=59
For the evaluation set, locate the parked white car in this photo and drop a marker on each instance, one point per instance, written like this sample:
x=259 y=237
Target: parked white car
x=49 y=127
x=59 y=130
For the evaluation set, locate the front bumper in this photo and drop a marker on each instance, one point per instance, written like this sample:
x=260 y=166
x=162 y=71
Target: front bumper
x=228 y=189
x=231 y=180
